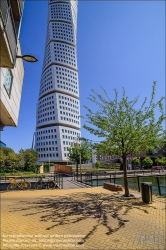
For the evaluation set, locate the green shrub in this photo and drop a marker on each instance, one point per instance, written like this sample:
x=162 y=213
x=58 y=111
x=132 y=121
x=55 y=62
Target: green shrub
x=97 y=165
x=161 y=161
x=135 y=161
x=147 y=162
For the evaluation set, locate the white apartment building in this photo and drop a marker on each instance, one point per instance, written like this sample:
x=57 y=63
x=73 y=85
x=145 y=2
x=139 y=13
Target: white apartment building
x=11 y=68
x=58 y=108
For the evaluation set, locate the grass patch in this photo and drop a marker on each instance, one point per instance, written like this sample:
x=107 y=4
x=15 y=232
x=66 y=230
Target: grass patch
x=16 y=174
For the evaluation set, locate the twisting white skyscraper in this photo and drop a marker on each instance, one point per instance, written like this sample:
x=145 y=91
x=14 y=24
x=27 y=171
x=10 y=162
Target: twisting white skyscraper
x=58 y=108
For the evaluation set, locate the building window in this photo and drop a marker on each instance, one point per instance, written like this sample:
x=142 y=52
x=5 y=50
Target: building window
x=8 y=81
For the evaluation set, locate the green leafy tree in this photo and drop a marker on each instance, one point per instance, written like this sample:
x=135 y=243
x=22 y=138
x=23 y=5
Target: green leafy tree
x=2 y=158
x=126 y=129
x=161 y=161
x=19 y=161
x=135 y=161
x=9 y=157
x=29 y=156
x=164 y=153
x=97 y=165
x=147 y=162
x=79 y=152
x=2 y=161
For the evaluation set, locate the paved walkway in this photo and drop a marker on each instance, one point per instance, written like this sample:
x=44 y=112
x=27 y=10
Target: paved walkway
x=84 y=218
x=69 y=183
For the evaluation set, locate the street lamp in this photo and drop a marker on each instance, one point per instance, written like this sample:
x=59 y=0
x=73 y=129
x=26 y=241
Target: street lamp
x=28 y=58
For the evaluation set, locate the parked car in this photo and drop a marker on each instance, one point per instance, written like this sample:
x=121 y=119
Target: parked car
x=156 y=168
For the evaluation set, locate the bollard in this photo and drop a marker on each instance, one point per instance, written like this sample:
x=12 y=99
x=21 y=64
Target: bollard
x=146 y=190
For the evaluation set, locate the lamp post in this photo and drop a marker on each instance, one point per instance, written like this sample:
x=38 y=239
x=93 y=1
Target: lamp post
x=28 y=58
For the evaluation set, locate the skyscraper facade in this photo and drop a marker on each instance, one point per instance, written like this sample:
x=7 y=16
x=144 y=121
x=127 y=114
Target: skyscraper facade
x=58 y=108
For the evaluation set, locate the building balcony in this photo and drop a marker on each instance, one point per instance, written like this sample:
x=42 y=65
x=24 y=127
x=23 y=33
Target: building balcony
x=10 y=18
x=11 y=89
x=17 y=8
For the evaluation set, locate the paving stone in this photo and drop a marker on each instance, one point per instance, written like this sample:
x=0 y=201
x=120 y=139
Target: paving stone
x=58 y=219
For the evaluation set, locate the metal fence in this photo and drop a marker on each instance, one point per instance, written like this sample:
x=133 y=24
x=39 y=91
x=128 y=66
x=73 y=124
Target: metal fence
x=158 y=179
x=57 y=178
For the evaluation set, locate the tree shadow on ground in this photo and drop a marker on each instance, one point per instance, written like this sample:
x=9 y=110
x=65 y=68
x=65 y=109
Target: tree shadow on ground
x=73 y=208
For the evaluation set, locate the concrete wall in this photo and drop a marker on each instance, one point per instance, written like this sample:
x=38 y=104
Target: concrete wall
x=10 y=104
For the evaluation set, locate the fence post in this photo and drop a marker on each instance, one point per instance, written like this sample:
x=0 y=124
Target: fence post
x=114 y=177
x=110 y=178
x=81 y=176
x=91 y=179
x=97 y=179
x=138 y=183
x=62 y=180
x=158 y=184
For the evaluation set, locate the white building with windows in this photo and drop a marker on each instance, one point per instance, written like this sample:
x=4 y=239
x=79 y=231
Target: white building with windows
x=58 y=108
x=11 y=68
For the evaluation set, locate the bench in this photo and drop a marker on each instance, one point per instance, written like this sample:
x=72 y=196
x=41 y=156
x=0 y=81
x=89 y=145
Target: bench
x=112 y=186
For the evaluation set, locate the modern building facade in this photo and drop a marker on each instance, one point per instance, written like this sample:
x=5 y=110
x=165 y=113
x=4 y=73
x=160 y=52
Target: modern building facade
x=58 y=108
x=2 y=145
x=11 y=68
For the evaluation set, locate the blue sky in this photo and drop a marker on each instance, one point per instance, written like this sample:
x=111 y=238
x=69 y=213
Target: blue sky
x=119 y=44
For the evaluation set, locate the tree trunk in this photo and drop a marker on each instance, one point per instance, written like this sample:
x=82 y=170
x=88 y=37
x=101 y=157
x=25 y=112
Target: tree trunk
x=77 y=171
x=127 y=194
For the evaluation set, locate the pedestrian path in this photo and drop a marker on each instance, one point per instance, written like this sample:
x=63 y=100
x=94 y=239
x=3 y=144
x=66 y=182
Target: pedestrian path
x=68 y=183
x=82 y=218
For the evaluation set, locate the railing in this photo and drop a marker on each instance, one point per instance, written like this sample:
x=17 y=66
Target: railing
x=158 y=179
x=58 y=178
x=5 y=178
x=158 y=184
